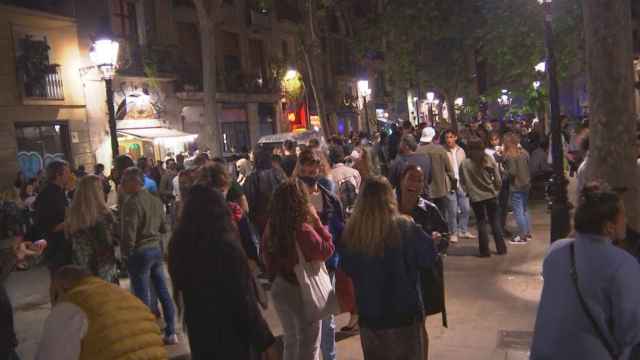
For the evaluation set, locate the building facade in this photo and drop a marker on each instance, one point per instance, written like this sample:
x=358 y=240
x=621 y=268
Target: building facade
x=42 y=102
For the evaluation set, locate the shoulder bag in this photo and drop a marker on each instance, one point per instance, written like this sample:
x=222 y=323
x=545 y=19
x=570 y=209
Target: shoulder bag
x=585 y=307
x=318 y=295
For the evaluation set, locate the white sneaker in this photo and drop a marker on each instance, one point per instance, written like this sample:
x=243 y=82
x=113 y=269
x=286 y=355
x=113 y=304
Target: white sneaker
x=171 y=340
x=467 y=235
x=453 y=239
x=518 y=241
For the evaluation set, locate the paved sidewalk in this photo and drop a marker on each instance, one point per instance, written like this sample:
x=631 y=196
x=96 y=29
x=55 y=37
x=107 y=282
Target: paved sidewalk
x=491 y=303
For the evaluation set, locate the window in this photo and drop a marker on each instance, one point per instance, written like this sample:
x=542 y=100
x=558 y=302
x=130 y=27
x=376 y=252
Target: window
x=40 y=78
x=235 y=128
x=256 y=58
x=124 y=19
x=40 y=144
x=267 y=115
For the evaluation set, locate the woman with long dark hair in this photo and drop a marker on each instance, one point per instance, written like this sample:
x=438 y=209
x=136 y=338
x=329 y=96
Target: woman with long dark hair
x=294 y=228
x=589 y=305
x=480 y=179
x=212 y=282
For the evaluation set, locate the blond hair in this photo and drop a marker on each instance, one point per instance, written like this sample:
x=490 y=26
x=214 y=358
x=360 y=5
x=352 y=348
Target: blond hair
x=376 y=220
x=88 y=205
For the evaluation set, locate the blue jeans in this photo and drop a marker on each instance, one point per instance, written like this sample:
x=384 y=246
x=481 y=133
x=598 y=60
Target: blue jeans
x=520 y=204
x=328 y=337
x=146 y=269
x=458 y=212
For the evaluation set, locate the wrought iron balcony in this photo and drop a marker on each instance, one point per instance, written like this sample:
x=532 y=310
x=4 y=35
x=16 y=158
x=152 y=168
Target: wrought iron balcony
x=44 y=86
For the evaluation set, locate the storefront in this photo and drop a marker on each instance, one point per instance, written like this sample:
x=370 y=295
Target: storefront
x=149 y=138
x=142 y=122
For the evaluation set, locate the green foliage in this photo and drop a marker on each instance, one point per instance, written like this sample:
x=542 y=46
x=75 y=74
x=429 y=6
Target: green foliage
x=435 y=44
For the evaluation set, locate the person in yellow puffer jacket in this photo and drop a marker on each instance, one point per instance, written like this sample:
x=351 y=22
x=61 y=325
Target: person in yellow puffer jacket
x=95 y=320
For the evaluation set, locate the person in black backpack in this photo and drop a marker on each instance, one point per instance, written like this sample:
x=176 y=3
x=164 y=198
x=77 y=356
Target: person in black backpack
x=260 y=186
x=346 y=179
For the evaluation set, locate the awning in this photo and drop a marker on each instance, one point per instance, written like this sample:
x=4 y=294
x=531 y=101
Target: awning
x=159 y=135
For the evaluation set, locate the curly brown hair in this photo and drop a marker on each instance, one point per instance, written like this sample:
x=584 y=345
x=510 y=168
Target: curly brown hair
x=290 y=208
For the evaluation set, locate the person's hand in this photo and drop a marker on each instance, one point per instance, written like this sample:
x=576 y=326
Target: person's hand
x=23 y=249
x=313 y=217
x=436 y=236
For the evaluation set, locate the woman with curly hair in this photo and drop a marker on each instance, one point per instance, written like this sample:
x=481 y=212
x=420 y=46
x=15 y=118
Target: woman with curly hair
x=89 y=226
x=295 y=226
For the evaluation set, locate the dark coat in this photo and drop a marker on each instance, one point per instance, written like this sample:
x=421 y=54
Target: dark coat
x=8 y=340
x=222 y=315
x=332 y=216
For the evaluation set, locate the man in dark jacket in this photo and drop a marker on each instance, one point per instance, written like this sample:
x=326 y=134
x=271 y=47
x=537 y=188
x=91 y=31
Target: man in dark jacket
x=290 y=159
x=50 y=208
x=330 y=211
x=408 y=156
x=260 y=186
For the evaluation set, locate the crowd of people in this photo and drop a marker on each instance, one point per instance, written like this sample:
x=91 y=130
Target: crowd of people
x=378 y=213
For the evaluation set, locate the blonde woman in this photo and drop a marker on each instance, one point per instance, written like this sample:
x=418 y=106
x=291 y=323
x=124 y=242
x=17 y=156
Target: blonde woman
x=89 y=227
x=383 y=252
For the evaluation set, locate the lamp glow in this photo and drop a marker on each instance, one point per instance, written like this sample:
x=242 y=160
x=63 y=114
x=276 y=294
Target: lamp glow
x=363 y=88
x=430 y=96
x=541 y=67
x=104 y=55
x=536 y=85
x=459 y=102
x=291 y=74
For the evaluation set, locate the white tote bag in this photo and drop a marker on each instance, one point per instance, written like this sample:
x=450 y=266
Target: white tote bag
x=318 y=294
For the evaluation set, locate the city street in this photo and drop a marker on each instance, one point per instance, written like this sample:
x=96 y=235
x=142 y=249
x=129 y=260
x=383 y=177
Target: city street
x=491 y=303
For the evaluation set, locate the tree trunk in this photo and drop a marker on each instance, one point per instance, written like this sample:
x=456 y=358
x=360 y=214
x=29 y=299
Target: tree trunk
x=313 y=56
x=613 y=151
x=210 y=136
x=451 y=109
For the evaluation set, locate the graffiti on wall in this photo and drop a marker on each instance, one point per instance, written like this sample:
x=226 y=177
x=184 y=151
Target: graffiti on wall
x=31 y=162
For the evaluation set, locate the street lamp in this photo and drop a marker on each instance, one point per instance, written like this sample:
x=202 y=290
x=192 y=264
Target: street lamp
x=560 y=222
x=364 y=91
x=430 y=101
x=541 y=67
x=104 y=55
x=291 y=74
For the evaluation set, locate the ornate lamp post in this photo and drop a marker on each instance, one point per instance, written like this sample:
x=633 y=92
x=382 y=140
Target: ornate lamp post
x=104 y=55
x=364 y=91
x=430 y=101
x=560 y=222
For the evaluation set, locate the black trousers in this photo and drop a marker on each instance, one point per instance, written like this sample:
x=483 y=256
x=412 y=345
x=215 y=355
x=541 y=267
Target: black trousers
x=503 y=202
x=442 y=204
x=486 y=212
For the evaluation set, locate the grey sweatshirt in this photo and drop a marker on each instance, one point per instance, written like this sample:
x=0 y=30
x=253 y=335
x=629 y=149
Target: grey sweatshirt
x=608 y=278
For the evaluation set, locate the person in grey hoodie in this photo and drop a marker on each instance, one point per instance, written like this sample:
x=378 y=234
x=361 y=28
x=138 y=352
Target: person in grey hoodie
x=605 y=324
x=516 y=164
x=480 y=179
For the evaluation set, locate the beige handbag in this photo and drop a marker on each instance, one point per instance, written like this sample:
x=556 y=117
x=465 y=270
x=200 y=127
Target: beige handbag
x=318 y=293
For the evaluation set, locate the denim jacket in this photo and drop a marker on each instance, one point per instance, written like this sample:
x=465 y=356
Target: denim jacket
x=332 y=216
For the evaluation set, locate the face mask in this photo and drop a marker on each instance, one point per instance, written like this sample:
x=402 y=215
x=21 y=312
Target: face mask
x=310 y=181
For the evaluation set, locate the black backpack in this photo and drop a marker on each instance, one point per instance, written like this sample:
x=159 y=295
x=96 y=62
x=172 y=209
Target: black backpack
x=347 y=193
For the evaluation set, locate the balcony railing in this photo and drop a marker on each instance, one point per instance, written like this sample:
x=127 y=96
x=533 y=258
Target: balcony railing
x=45 y=86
